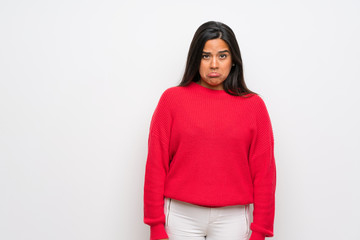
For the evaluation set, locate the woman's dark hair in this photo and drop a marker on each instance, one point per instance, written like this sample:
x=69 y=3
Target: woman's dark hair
x=234 y=83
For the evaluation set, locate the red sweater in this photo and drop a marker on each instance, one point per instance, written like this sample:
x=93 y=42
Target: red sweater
x=210 y=148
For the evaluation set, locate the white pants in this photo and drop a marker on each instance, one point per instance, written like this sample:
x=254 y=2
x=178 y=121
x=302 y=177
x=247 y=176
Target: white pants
x=185 y=221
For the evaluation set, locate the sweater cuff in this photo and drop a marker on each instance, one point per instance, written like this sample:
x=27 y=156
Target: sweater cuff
x=257 y=236
x=158 y=232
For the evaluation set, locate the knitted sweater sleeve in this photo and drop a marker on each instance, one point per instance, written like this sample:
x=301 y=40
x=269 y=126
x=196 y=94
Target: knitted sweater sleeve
x=157 y=166
x=263 y=172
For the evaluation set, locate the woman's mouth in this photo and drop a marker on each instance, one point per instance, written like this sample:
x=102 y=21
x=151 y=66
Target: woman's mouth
x=214 y=74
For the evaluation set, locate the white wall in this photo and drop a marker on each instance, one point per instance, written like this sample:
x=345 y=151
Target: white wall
x=79 y=81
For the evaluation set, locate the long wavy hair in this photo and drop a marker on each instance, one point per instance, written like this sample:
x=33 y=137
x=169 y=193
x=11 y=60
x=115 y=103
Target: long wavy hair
x=234 y=84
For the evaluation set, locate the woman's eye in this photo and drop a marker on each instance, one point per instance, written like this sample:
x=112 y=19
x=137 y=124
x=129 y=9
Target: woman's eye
x=222 y=56
x=205 y=56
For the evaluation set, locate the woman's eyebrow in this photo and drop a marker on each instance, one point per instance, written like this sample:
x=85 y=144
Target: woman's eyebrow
x=218 y=52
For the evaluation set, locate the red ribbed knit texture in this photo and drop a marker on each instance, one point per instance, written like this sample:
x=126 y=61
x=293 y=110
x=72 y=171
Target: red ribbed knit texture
x=209 y=148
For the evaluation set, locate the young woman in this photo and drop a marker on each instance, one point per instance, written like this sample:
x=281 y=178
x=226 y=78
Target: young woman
x=210 y=150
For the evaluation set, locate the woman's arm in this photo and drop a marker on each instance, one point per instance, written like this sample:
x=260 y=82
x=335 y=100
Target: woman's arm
x=157 y=166
x=263 y=171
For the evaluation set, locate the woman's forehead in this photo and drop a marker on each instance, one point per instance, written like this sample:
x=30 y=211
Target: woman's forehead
x=215 y=45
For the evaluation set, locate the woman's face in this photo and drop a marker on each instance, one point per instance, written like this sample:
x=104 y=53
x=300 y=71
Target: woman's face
x=215 y=64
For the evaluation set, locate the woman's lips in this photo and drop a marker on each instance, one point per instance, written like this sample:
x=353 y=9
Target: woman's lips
x=214 y=74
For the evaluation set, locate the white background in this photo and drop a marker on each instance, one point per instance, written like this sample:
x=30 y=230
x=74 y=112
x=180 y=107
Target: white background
x=79 y=81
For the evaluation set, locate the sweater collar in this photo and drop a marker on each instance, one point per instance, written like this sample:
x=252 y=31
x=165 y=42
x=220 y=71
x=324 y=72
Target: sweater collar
x=206 y=90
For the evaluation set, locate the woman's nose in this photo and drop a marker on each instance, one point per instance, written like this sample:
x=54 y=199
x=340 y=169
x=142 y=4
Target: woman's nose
x=213 y=63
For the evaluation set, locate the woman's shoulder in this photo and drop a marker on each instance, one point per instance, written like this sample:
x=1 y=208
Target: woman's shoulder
x=259 y=107
x=172 y=91
x=169 y=96
x=255 y=104
x=257 y=99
